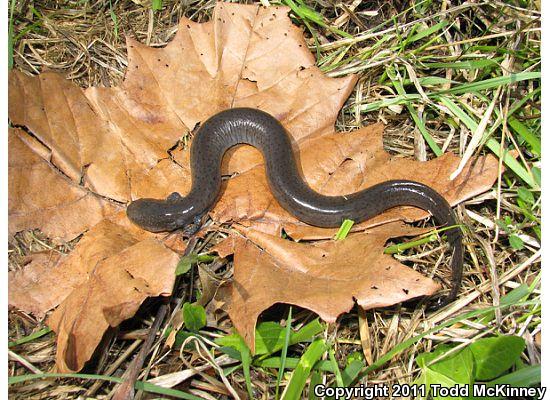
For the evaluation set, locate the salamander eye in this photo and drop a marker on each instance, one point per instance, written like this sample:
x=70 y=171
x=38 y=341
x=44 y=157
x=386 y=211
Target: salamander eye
x=173 y=197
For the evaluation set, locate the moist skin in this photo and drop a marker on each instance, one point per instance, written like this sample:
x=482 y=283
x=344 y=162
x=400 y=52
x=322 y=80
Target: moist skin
x=259 y=129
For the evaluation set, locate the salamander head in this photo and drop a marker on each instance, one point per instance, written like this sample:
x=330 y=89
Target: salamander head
x=159 y=215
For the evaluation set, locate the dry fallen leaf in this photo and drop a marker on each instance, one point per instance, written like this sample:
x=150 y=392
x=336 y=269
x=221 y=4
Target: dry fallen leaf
x=82 y=154
x=39 y=196
x=326 y=277
x=113 y=292
x=31 y=288
x=99 y=284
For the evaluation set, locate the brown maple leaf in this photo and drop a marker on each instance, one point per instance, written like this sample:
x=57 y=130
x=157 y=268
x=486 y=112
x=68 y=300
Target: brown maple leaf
x=112 y=292
x=326 y=277
x=41 y=197
x=31 y=288
x=95 y=149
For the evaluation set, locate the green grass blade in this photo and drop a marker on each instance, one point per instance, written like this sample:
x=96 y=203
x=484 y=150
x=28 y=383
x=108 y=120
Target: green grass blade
x=458 y=112
x=113 y=18
x=337 y=372
x=430 y=236
x=392 y=101
x=247 y=361
x=526 y=134
x=511 y=163
x=344 y=229
x=235 y=346
x=284 y=352
x=292 y=363
x=10 y=35
x=156 y=5
x=140 y=385
x=519 y=103
x=428 y=81
x=470 y=64
x=352 y=371
x=492 y=83
x=491 y=143
x=424 y=131
x=528 y=376
x=428 y=32
x=307 y=332
x=400 y=247
x=306 y=13
x=316 y=379
x=419 y=123
x=512 y=297
x=30 y=338
x=299 y=376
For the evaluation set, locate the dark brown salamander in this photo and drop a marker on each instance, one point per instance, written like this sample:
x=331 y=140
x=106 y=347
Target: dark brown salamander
x=259 y=129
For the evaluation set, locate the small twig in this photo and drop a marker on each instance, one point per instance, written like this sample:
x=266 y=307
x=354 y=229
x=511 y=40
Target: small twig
x=495 y=294
x=199 y=344
x=150 y=26
x=175 y=378
x=466 y=299
x=126 y=389
x=24 y=362
x=113 y=367
x=477 y=39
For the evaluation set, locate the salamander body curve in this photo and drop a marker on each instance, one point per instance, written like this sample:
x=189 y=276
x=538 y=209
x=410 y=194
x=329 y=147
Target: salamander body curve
x=259 y=129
